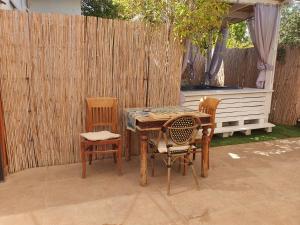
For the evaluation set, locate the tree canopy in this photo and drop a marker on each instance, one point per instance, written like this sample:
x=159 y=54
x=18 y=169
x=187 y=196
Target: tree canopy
x=290 y=25
x=238 y=36
x=187 y=19
x=99 y=8
x=193 y=19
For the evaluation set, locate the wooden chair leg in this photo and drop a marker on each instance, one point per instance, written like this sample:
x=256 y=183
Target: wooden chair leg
x=114 y=154
x=153 y=164
x=91 y=154
x=128 y=146
x=83 y=160
x=169 y=175
x=115 y=157
x=194 y=155
x=119 y=158
x=90 y=158
x=208 y=159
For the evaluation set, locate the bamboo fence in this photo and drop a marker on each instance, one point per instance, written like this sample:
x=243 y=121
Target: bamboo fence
x=285 y=108
x=50 y=63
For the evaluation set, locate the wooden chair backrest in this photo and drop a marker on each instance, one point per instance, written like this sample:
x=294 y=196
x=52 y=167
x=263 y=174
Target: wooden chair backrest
x=101 y=112
x=209 y=106
x=181 y=130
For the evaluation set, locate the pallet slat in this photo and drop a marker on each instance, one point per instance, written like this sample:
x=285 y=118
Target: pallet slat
x=230 y=105
x=237 y=111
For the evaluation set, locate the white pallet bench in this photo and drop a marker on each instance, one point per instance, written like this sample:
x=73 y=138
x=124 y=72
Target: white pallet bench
x=240 y=110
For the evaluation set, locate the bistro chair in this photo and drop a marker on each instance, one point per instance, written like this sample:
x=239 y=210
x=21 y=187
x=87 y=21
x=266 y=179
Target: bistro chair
x=209 y=106
x=176 y=141
x=101 y=127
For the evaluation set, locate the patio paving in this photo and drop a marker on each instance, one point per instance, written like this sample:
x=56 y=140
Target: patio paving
x=256 y=183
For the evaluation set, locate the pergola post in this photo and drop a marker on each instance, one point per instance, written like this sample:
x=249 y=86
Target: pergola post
x=270 y=74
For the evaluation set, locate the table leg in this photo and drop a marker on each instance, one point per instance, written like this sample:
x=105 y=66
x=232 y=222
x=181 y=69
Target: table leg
x=128 y=144
x=143 y=158
x=204 y=158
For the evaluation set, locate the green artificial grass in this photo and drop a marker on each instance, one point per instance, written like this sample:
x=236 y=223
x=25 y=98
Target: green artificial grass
x=279 y=132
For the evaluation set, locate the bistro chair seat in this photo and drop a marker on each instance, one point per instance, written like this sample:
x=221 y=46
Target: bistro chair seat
x=101 y=115
x=161 y=147
x=176 y=141
x=99 y=136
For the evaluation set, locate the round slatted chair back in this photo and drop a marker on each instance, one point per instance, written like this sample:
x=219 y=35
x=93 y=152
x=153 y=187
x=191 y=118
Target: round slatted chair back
x=182 y=129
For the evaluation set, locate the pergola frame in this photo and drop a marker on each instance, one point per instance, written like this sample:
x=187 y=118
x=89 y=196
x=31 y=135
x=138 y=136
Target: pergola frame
x=241 y=99
x=242 y=10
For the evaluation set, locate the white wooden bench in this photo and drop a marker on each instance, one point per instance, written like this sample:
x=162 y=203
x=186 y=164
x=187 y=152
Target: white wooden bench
x=239 y=110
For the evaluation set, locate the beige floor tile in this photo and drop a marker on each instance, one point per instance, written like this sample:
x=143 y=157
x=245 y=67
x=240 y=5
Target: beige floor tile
x=18 y=199
x=262 y=187
x=147 y=211
x=18 y=219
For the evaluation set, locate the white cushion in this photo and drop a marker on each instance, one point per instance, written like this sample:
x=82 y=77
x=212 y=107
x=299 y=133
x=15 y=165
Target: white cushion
x=99 y=136
x=199 y=134
x=162 y=148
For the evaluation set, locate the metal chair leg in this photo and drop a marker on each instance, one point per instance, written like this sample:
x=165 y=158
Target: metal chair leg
x=169 y=175
x=128 y=145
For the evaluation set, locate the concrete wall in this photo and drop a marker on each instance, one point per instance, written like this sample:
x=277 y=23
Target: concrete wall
x=71 y=7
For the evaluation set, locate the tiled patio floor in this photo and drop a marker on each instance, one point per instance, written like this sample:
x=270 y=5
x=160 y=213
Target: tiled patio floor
x=248 y=184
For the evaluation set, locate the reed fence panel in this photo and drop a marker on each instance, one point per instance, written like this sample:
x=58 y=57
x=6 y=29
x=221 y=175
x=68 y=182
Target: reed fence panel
x=285 y=108
x=50 y=63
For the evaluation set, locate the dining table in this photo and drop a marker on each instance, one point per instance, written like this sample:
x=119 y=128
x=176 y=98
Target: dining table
x=145 y=120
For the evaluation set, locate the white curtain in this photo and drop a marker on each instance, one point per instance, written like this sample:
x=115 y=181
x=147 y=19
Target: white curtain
x=19 y=4
x=217 y=58
x=263 y=28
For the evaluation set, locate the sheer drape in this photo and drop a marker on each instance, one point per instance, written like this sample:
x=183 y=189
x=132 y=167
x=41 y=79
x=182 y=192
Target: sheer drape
x=263 y=27
x=217 y=58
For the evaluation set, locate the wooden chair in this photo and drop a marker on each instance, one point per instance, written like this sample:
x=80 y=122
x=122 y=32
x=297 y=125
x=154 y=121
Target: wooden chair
x=101 y=113
x=176 y=141
x=209 y=106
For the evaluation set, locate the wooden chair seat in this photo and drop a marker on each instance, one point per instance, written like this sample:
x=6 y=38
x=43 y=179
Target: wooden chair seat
x=100 y=135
